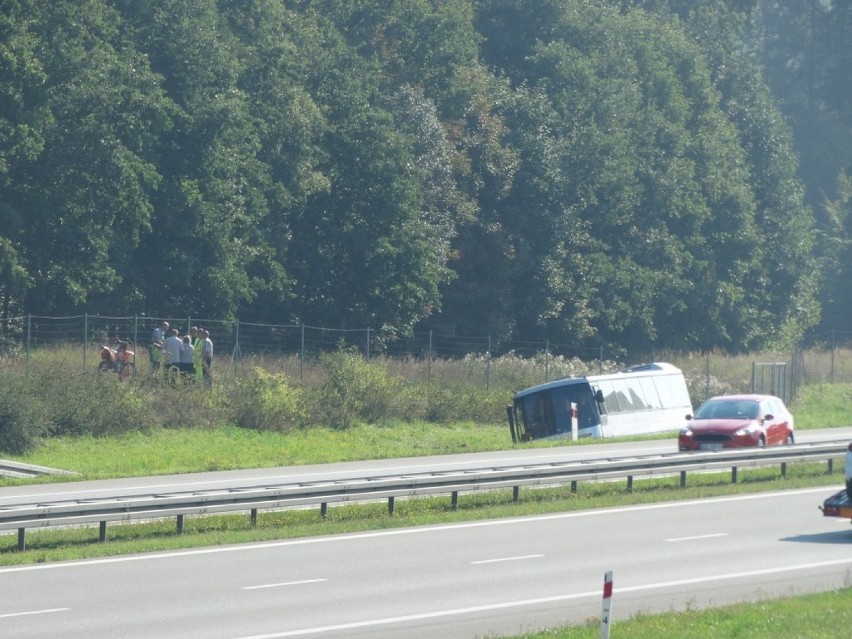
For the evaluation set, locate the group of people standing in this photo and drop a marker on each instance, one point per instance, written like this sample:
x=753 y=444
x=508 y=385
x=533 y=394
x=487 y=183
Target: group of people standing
x=191 y=354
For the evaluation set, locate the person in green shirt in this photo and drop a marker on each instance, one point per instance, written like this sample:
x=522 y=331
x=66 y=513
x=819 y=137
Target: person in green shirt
x=197 y=339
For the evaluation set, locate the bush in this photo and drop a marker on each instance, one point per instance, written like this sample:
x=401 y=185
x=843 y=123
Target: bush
x=93 y=404
x=355 y=389
x=21 y=425
x=445 y=405
x=266 y=401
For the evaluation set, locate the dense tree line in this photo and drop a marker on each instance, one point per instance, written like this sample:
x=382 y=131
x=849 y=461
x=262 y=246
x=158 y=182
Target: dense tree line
x=621 y=173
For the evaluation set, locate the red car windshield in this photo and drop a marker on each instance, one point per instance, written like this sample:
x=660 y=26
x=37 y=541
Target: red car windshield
x=728 y=409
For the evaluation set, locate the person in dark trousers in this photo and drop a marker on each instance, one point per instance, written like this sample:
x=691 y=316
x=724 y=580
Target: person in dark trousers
x=206 y=356
x=155 y=350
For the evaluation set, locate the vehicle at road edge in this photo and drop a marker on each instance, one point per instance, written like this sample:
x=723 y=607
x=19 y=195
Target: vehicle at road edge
x=840 y=504
x=736 y=421
x=649 y=398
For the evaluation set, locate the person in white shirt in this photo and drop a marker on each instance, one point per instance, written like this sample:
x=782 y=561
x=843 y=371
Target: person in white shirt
x=172 y=347
x=156 y=347
x=206 y=356
x=187 y=357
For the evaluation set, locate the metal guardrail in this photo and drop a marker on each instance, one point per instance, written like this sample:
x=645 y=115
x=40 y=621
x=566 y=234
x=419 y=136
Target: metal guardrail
x=358 y=489
x=18 y=470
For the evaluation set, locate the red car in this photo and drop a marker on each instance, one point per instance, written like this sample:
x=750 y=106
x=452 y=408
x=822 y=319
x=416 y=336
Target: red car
x=733 y=421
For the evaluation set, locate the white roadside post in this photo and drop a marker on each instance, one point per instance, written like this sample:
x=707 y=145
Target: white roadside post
x=574 y=424
x=606 y=615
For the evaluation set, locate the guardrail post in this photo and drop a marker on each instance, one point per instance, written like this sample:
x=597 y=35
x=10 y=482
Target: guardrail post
x=454 y=499
x=783 y=469
x=630 y=483
x=830 y=466
x=571 y=473
x=323 y=509
x=22 y=542
x=253 y=518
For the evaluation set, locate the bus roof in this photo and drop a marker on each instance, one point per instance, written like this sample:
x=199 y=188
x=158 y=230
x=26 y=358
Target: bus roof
x=653 y=368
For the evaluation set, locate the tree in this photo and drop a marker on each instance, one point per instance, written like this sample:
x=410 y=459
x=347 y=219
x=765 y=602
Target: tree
x=806 y=49
x=23 y=116
x=79 y=195
x=632 y=218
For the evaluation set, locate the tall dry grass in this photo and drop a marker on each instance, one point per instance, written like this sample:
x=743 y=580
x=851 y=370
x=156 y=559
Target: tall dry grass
x=56 y=391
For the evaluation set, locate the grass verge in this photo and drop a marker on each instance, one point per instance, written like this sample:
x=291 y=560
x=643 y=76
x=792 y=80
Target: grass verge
x=164 y=451
x=818 y=616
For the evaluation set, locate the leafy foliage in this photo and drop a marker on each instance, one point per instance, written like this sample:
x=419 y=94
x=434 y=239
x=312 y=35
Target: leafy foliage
x=598 y=173
x=267 y=401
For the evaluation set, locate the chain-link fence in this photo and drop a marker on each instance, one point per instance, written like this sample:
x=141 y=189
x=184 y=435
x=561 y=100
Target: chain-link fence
x=513 y=365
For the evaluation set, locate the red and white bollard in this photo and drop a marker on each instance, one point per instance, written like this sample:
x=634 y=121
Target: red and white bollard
x=606 y=615
x=574 y=423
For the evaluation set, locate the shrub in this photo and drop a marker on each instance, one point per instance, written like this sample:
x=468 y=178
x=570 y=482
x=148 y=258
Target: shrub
x=355 y=389
x=445 y=404
x=21 y=423
x=93 y=404
x=266 y=401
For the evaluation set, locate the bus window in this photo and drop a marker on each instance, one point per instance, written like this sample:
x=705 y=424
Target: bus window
x=538 y=416
x=652 y=397
x=610 y=396
x=672 y=391
x=636 y=394
x=587 y=410
x=622 y=394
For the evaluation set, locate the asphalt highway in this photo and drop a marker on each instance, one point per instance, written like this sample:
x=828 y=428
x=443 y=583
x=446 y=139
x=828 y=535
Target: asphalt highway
x=457 y=581
x=460 y=581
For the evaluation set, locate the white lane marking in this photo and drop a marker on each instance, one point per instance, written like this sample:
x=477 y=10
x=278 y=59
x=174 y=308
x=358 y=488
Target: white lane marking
x=495 y=561
x=693 y=538
x=33 y=612
x=419 y=530
x=283 y=584
x=542 y=600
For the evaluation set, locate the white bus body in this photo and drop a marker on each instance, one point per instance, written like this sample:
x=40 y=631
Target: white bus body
x=650 y=398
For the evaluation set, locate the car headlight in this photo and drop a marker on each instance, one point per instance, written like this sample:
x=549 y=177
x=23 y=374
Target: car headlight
x=685 y=432
x=751 y=429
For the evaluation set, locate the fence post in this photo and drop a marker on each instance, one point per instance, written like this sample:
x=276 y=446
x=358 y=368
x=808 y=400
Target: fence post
x=29 y=332
x=488 y=366
x=547 y=360
x=302 y=356
x=236 y=354
x=368 y=343
x=707 y=377
x=429 y=362
x=85 y=339
x=833 y=346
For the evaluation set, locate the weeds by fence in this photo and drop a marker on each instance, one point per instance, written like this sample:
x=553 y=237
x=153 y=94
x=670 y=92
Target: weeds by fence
x=283 y=378
x=295 y=349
